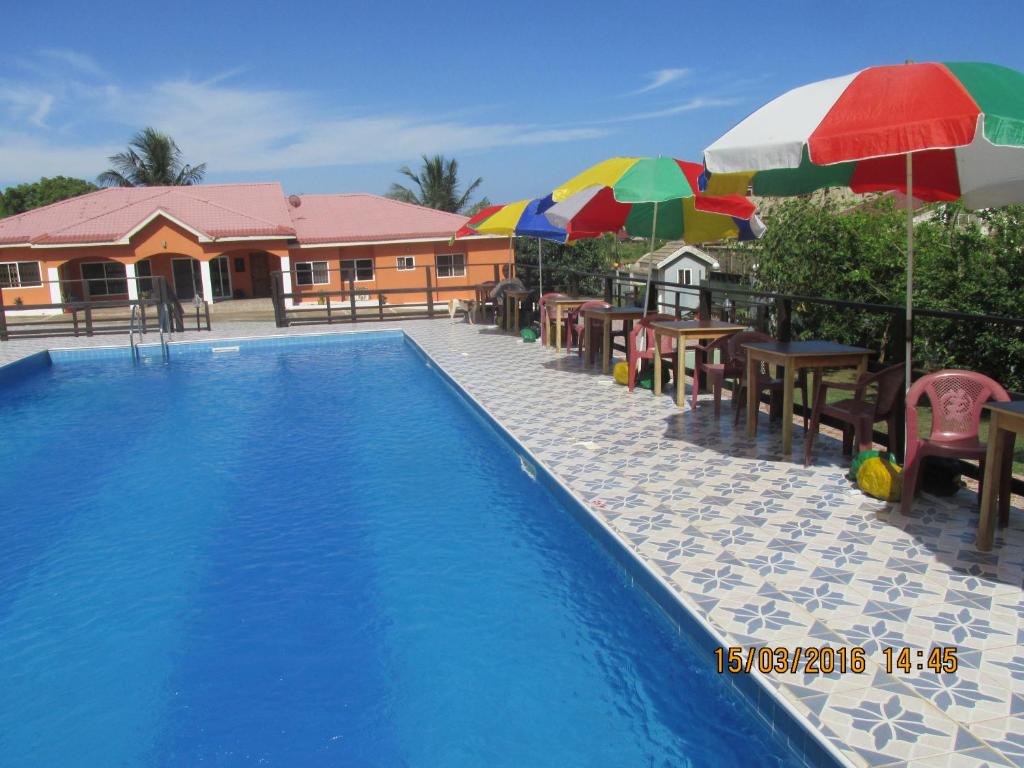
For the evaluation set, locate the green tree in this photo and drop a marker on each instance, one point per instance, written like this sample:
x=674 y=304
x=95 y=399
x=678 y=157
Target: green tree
x=25 y=197
x=438 y=185
x=152 y=159
x=963 y=263
x=578 y=267
x=812 y=248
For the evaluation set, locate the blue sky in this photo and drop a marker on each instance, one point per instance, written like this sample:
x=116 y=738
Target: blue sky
x=335 y=97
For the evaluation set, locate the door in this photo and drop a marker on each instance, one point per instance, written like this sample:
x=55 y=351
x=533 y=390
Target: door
x=259 y=272
x=187 y=280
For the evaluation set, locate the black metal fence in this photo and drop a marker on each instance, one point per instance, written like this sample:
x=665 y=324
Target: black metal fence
x=359 y=300
x=157 y=306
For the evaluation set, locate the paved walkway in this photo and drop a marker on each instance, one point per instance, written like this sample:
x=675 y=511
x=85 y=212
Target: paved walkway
x=770 y=553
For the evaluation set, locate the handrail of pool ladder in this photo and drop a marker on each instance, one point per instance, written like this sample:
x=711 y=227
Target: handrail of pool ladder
x=131 y=332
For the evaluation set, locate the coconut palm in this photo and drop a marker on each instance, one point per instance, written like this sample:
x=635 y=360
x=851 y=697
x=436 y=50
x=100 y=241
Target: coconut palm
x=438 y=184
x=153 y=159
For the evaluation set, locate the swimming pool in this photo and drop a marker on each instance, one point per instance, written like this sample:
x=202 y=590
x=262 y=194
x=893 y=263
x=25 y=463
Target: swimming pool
x=318 y=554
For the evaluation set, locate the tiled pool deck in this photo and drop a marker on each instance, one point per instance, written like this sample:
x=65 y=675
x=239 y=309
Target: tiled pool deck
x=768 y=552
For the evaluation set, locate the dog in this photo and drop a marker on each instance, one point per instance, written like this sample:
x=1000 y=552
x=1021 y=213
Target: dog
x=467 y=307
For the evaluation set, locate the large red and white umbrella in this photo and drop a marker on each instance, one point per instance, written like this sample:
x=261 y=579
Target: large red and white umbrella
x=933 y=131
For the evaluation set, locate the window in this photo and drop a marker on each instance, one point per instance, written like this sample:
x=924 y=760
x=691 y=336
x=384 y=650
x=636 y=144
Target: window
x=239 y=263
x=311 y=273
x=220 y=277
x=20 y=274
x=361 y=268
x=405 y=263
x=144 y=271
x=451 y=265
x=687 y=275
x=105 y=278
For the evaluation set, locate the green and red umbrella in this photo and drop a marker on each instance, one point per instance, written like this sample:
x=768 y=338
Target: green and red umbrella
x=933 y=131
x=702 y=218
x=655 y=196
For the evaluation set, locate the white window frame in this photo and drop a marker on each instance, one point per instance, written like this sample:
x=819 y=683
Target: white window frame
x=687 y=275
x=91 y=281
x=355 y=270
x=409 y=261
x=312 y=272
x=451 y=267
x=18 y=282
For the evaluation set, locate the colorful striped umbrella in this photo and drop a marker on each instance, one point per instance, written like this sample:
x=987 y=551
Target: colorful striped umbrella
x=523 y=218
x=932 y=131
x=700 y=219
x=636 y=179
x=644 y=184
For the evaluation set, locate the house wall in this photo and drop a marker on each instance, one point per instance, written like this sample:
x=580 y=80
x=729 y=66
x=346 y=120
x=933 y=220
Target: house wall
x=688 y=299
x=160 y=241
x=35 y=295
x=481 y=258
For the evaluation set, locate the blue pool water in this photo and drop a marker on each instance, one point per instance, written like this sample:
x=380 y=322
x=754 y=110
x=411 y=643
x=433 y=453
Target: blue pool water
x=317 y=556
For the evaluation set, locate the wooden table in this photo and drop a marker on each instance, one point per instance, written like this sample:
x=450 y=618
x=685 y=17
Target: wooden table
x=1006 y=421
x=606 y=316
x=562 y=306
x=681 y=331
x=795 y=355
x=483 y=296
x=513 y=303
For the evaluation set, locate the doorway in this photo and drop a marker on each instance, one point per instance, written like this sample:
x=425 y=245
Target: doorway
x=187 y=281
x=188 y=278
x=259 y=273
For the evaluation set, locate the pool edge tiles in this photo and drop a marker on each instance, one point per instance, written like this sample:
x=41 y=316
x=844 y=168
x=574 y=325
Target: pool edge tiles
x=790 y=725
x=152 y=352
x=24 y=367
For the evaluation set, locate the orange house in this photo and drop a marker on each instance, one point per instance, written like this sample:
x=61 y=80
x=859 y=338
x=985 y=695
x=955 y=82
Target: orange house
x=224 y=241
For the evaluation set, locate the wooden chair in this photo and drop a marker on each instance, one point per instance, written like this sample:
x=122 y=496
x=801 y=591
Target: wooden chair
x=737 y=361
x=858 y=413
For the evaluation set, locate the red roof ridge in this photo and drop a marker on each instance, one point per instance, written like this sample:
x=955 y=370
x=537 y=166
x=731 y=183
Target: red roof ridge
x=277 y=227
x=48 y=235
x=14 y=216
x=389 y=199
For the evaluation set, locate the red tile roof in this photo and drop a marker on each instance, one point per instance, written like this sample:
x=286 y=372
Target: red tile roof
x=216 y=211
x=351 y=218
x=213 y=210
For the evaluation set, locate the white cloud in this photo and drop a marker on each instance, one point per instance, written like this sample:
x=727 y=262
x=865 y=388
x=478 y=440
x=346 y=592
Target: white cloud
x=662 y=77
x=26 y=103
x=231 y=128
x=699 y=102
x=80 y=61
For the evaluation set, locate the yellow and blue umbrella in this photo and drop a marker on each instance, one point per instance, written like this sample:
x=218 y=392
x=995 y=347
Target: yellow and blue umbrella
x=523 y=218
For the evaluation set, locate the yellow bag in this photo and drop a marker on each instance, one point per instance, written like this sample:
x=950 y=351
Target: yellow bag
x=621 y=373
x=880 y=478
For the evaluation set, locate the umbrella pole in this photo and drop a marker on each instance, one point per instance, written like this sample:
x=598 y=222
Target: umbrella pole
x=650 y=268
x=910 y=272
x=540 y=267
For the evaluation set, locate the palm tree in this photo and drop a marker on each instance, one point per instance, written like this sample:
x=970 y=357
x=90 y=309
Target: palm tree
x=438 y=183
x=152 y=160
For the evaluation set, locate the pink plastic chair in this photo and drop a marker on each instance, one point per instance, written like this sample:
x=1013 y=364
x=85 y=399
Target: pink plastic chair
x=546 y=312
x=715 y=372
x=575 y=328
x=736 y=365
x=956 y=398
x=643 y=328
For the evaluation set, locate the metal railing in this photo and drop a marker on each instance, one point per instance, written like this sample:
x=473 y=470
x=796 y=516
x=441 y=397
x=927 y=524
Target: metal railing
x=81 y=313
x=364 y=300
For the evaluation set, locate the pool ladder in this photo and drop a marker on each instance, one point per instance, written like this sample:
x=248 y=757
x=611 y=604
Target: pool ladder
x=135 y=325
